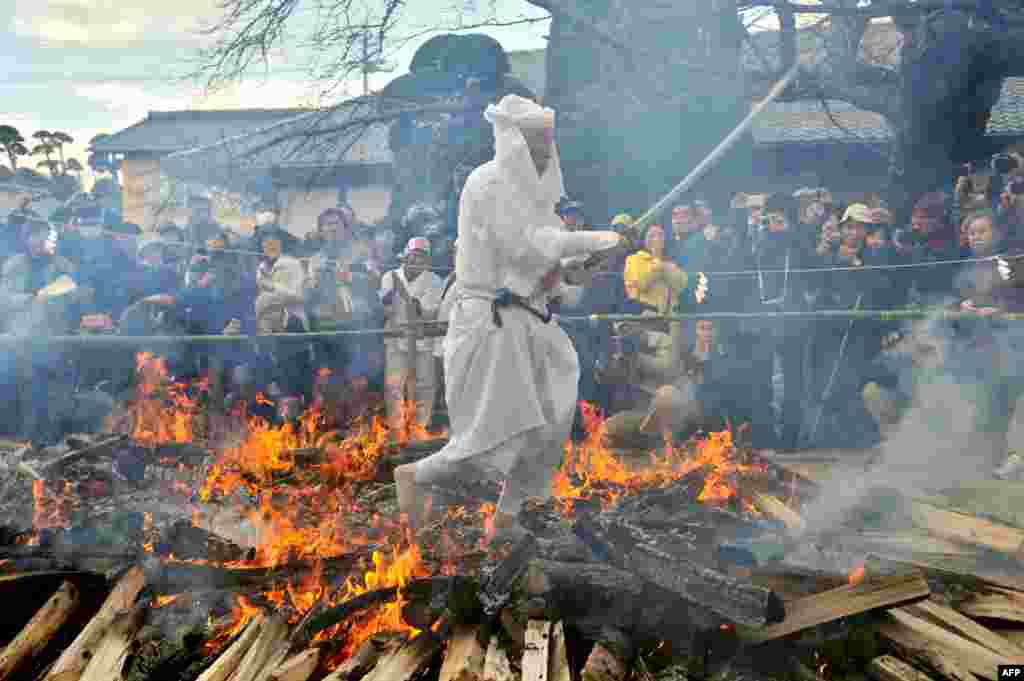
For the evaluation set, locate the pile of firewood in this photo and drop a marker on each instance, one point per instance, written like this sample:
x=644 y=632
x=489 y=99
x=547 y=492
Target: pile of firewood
x=657 y=587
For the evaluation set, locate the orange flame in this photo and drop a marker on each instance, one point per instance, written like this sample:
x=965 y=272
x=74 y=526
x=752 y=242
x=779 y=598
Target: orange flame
x=857 y=575
x=591 y=469
x=51 y=508
x=161 y=411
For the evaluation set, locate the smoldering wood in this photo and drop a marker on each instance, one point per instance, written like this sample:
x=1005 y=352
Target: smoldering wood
x=185 y=541
x=664 y=562
x=591 y=597
x=172 y=578
x=104 y=447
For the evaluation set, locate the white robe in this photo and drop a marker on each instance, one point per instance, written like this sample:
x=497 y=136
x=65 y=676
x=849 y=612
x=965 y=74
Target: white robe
x=503 y=382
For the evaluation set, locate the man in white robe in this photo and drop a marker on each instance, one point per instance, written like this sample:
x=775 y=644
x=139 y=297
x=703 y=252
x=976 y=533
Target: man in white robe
x=511 y=373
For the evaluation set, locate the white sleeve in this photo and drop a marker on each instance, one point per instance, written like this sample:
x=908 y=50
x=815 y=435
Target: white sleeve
x=430 y=299
x=387 y=284
x=570 y=295
x=537 y=247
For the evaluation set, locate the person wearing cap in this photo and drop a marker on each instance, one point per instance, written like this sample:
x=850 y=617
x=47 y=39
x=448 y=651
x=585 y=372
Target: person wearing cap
x=410 y=293
x=511 y=374
x=844 y=350
x=571 y=212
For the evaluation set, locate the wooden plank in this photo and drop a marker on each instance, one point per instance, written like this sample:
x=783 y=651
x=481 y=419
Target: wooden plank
x=108 y=661
x=999 y=500
x=558 y=666
x=870 y=594
x=406 y=662
x=971 y=570
x=889 y=668
x=967 y=528
x=297 y=668
x=964 y=626
x=777 y=509
x=227 y=662
x=911 y=646
x=259 y=660
x=536 y=650
x=974 y=657
x=40 y=629
x=366 y=657
x=73 y=661
x=464 y=660
x=1000 y=604
x=496 y=663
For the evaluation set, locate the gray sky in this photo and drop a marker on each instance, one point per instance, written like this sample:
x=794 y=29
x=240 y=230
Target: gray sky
x=91 y=66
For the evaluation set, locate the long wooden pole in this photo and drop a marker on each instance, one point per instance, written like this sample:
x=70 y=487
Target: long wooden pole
x=718 y=152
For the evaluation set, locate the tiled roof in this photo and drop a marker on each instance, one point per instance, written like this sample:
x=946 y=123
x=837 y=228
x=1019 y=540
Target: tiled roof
x=171 y=131
x=807 y=122
x=294 y=143
x=1008 y=113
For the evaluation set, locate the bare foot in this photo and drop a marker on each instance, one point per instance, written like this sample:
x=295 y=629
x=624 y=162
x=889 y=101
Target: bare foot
x=409 y=501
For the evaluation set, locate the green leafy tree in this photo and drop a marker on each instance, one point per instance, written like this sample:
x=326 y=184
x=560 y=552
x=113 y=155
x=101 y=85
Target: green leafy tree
x=51 y=146
x=12 y=144
x=102 y=162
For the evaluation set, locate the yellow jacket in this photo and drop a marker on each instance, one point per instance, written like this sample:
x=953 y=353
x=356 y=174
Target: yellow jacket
x=648 y=284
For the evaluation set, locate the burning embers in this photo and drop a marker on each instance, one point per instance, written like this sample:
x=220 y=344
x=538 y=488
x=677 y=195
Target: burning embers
x=592 y=471
x=311 y=496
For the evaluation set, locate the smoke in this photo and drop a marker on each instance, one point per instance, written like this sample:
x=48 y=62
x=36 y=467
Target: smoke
x=937 y=441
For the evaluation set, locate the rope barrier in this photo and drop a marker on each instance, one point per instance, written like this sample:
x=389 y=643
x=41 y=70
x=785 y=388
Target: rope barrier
x=121 y=236
x=437 y=329
x=725 y=273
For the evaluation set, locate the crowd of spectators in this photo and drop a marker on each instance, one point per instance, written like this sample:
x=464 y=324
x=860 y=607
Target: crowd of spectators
x=202 y=279
x=799 y=381
x=783 y=382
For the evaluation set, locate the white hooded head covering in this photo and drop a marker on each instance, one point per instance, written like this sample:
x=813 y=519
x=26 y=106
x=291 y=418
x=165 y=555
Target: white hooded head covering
x=509 y=117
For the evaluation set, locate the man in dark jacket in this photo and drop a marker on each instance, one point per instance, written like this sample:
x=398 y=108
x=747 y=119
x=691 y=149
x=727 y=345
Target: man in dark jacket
x=777 y=252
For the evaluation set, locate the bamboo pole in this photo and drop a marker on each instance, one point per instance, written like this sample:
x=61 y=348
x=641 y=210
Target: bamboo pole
x=718 y=152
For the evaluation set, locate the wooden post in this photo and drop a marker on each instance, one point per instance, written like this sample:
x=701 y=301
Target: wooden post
x=39 y=630
x=110 y=656
x=535 y=654
x=75 y=658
